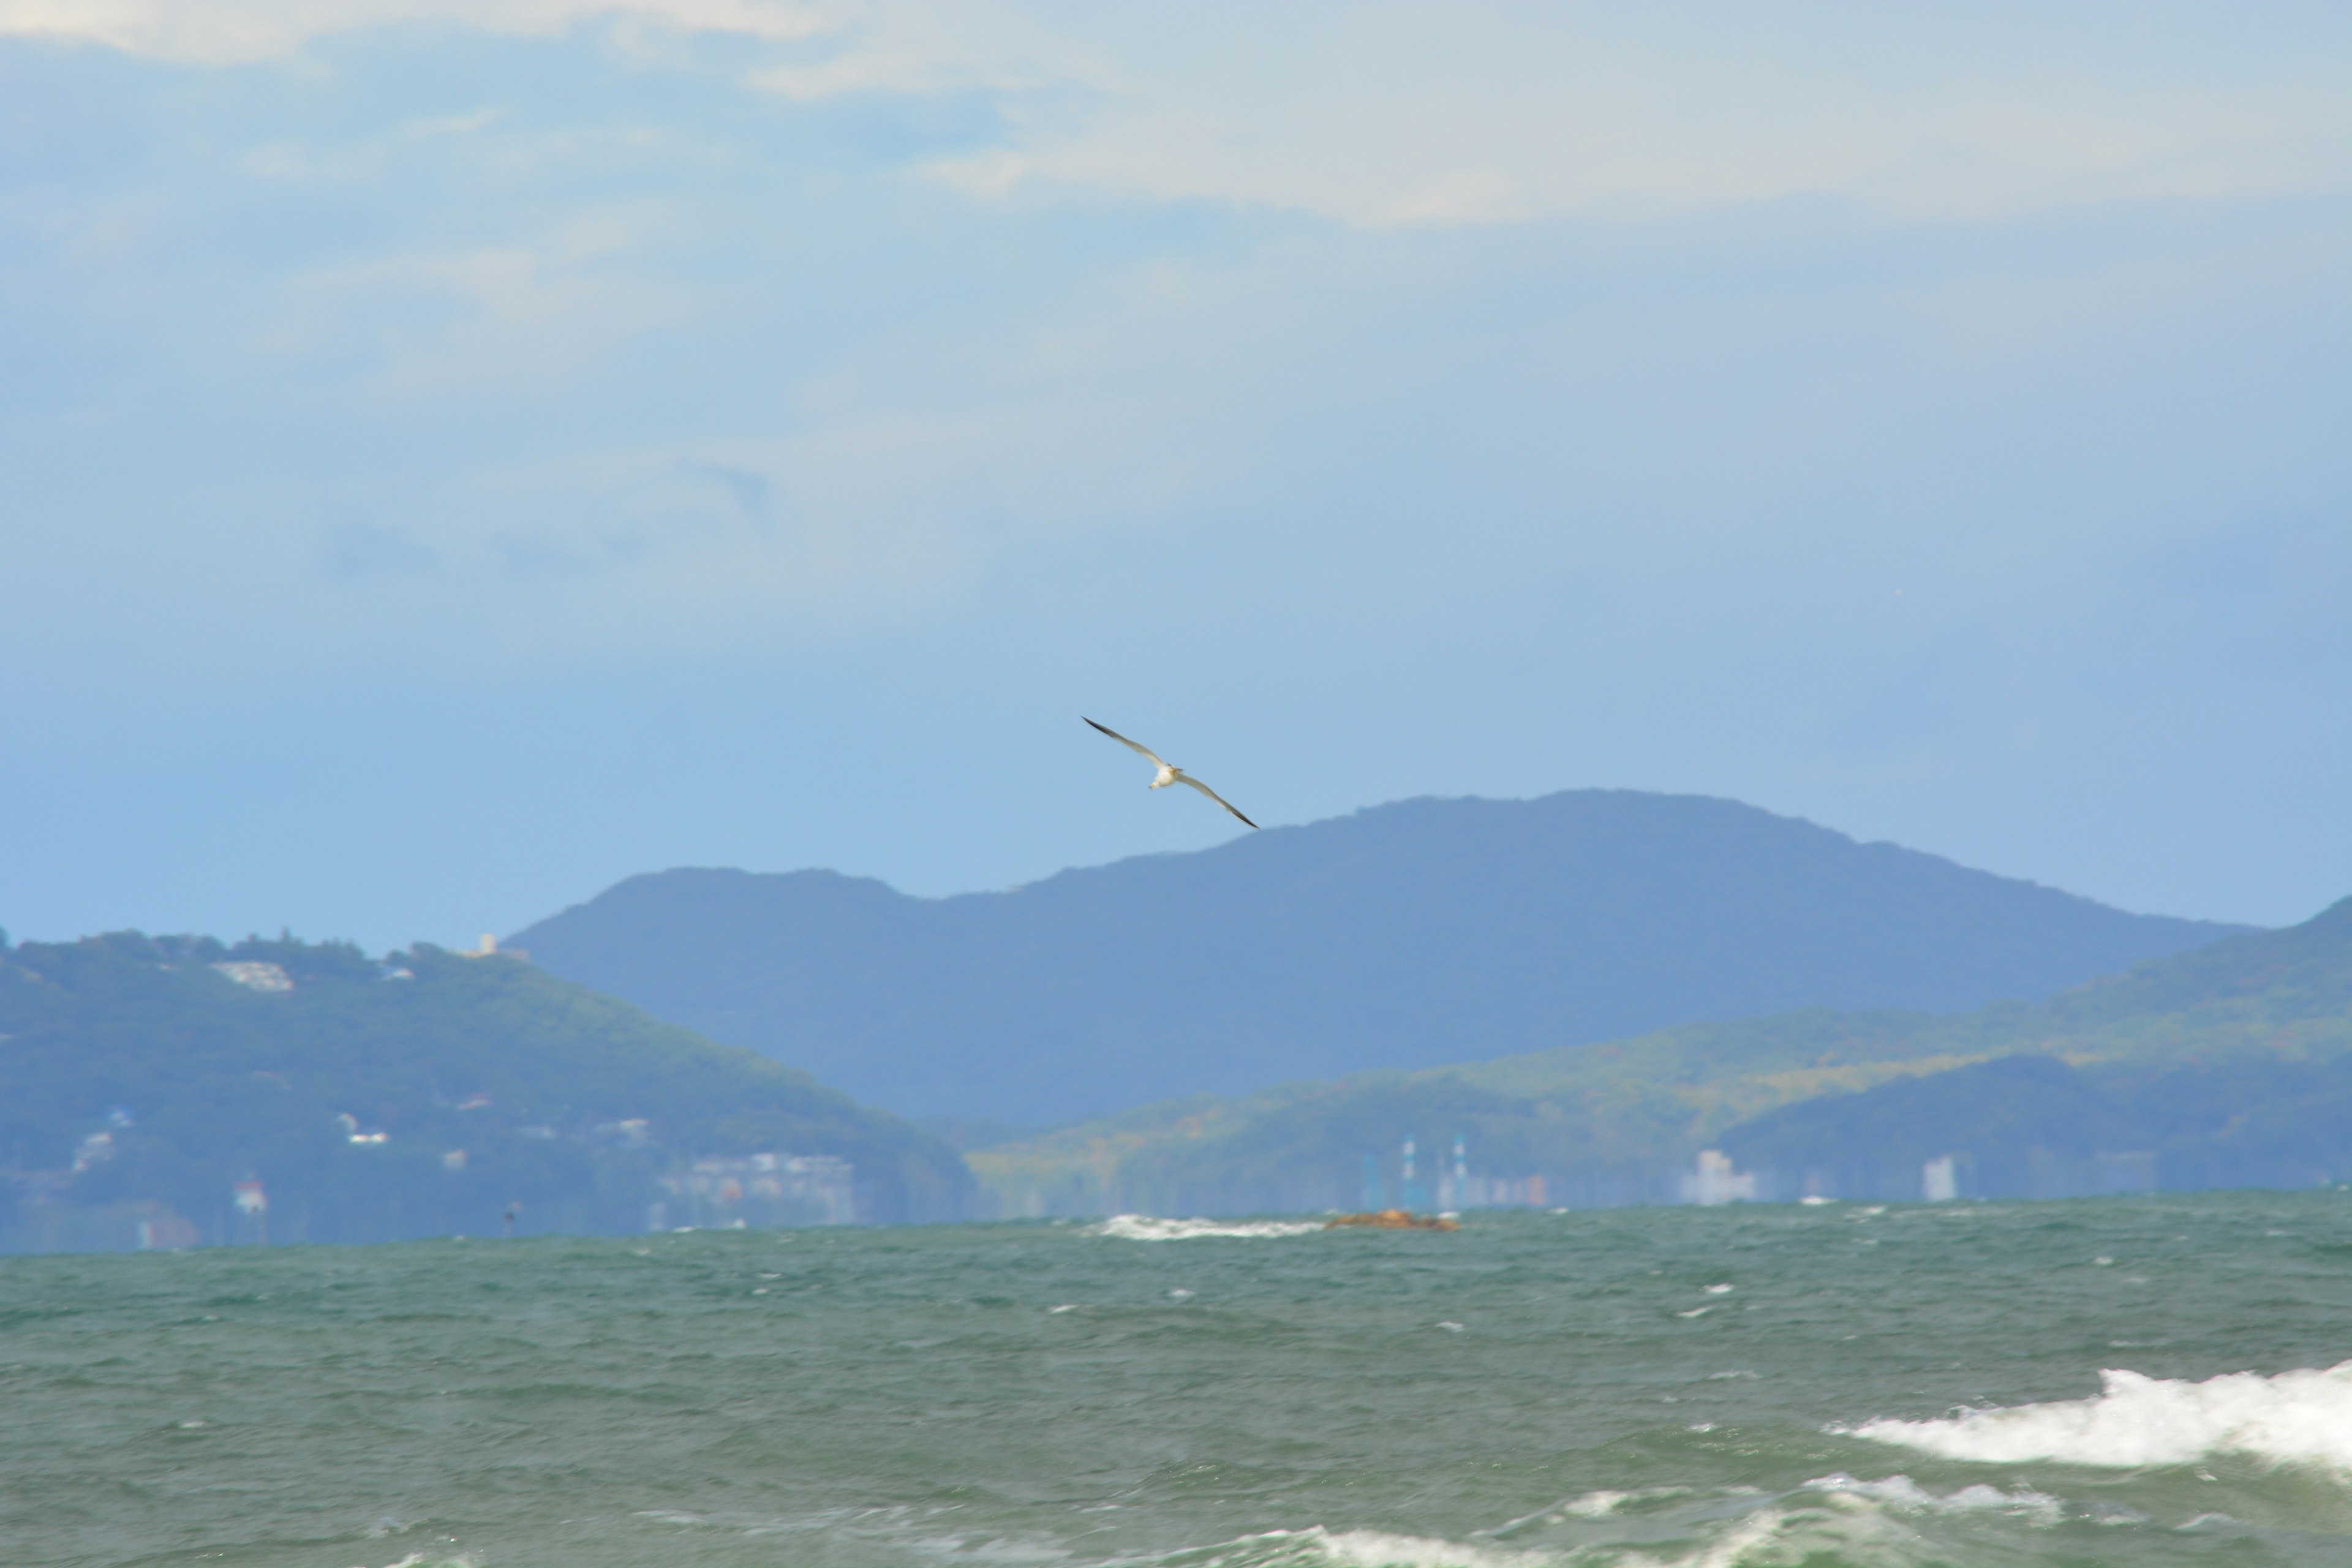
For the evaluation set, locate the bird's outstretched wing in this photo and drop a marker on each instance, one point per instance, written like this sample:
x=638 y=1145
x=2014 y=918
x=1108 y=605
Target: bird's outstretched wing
x=1130 y=746
x=1213 y=794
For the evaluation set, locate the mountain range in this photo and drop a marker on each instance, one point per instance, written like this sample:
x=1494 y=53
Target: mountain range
x=1401 y=937
x=1566 y=1001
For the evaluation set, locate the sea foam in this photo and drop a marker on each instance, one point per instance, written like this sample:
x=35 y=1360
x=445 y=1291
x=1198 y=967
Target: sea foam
x=1143 y=1227
x=1834 y=1517
x=2302 y=1418
x=1841 y=1518
x=1316 y=1547
x=1903 y=1494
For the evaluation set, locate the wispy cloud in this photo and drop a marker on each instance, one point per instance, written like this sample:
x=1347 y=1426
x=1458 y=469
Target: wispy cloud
x=222 y=32
x=1385 y=114
x=633 y=353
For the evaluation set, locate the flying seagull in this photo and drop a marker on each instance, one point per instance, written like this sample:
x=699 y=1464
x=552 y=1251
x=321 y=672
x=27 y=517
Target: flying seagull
x=1168 y=772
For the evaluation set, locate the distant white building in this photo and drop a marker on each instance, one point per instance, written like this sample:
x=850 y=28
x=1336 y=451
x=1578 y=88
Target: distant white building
x=1458 y=1189
x=760 y=1189
x=1937 y=1181
x=253 y=1207
x=1715 y=1181
x=257 y=977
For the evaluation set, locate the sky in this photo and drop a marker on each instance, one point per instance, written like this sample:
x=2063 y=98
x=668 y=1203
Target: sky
x=455 y=456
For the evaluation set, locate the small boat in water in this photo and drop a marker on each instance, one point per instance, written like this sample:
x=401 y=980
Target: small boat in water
x=1394 y=1219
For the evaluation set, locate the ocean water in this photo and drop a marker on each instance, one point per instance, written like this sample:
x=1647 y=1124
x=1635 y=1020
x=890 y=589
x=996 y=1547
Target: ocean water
x=2128 y=1381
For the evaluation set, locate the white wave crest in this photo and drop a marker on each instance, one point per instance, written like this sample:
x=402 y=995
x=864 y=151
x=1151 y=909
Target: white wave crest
x=1143 y=1227
x=1839 y=1518
x=2293 y=1417
x=1844 y=1520
x=1594 y=1505
x=1318 y=1548
x=1906 y=1495
x=1776 y=1537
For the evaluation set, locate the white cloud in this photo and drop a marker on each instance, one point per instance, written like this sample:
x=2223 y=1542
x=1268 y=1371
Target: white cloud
x=1406 y=114
x=1389 y=114
x=220 y=32
x=521 y=317
x=561 y=347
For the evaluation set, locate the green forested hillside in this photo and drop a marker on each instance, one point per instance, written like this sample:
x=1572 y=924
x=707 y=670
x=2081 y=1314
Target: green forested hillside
x=2231 y=1064
x=2029 y=1125
x=139 y=1082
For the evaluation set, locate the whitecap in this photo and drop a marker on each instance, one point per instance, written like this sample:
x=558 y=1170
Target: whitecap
x=1316 y=1547
x=1906 y=1495
x=1835 y=1516
x=1762 y=1528
x=1373 y=1549
x=1852 y=1521
x=1143 y=1227
x=2303 y=1416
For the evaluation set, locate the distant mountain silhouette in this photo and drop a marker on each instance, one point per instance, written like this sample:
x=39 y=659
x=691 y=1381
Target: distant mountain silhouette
x=1404 y=936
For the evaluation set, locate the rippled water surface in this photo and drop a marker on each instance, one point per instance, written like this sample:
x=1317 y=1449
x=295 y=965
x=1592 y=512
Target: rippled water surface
x=1817 y=1385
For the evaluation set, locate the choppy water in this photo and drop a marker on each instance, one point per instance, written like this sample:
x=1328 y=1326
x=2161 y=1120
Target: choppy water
x=1683 y=1386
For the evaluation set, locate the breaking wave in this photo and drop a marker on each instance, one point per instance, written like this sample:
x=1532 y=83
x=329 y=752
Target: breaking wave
x=1903 y=1495
x=2301 y=1417
x=1143 y=1227
x=1830 y=1518
x=1318 y=1548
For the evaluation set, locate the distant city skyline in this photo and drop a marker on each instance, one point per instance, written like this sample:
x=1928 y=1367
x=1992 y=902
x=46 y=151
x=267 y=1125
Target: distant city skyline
x=447 y=466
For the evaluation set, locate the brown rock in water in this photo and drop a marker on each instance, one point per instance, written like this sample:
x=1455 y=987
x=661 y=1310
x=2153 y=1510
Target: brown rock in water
x=1394 y=1219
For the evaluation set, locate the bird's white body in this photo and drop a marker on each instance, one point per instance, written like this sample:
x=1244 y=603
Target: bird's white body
x=1169 y=773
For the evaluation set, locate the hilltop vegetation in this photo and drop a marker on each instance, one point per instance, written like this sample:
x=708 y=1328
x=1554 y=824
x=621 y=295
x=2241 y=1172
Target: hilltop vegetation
x=1402 y=937
x=2228 y=1066
x=2028 y=1125
x=422 y=1095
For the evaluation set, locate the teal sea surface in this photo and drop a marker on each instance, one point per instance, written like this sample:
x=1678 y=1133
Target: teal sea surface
x=2126 y=1380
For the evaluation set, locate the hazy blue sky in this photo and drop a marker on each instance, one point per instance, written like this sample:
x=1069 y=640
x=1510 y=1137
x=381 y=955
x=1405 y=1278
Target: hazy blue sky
x=445 y=466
